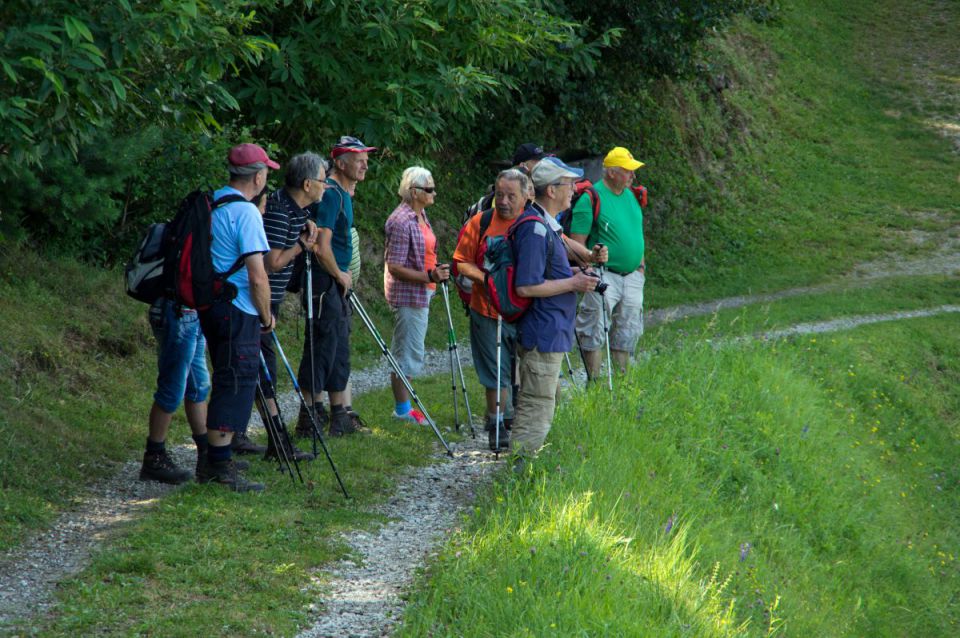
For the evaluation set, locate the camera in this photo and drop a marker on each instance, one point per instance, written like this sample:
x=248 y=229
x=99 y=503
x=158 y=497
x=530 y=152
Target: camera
x=601 y=285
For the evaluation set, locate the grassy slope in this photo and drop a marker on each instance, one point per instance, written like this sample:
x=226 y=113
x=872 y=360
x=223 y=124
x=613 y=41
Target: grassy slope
x=816 y=154
x=75 y=365
x=811 y=485
x=819 y=475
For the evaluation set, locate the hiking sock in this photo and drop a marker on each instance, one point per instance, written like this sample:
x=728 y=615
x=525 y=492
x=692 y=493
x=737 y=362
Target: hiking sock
x=155 y=448
x=200 y=440
x=403 y=407
x=336 y=409
x=218 y=453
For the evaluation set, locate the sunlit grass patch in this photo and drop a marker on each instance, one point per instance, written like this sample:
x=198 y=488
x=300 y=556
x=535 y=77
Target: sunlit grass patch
x=803 y=484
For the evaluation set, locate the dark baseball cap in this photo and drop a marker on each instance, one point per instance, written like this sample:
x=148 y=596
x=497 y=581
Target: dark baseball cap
x=528 y=151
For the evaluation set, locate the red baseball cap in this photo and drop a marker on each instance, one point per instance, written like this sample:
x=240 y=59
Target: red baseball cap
x=350 y=144
x=247 y=155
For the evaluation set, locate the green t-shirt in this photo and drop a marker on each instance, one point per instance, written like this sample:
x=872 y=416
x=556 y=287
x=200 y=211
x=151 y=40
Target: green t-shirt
x=619 y=226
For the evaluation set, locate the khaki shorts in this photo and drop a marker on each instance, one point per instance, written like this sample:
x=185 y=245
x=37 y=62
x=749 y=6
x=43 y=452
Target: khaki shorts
x=624 y=300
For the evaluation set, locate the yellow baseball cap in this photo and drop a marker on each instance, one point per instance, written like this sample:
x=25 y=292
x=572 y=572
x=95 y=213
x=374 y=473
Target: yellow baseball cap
x=622 y=158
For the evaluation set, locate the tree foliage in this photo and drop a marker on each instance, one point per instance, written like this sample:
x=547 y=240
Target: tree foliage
x=98 y=97
x=399 y=73
x=73 y=68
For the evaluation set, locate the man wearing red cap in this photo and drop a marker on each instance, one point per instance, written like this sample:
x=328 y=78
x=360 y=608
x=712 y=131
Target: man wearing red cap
x=233 y=328
x=330 y=341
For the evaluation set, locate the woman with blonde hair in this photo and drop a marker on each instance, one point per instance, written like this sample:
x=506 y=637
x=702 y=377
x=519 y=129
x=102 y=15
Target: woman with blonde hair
x=410 y=277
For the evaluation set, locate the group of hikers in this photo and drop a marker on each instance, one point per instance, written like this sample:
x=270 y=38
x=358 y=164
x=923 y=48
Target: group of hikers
x=559 y=245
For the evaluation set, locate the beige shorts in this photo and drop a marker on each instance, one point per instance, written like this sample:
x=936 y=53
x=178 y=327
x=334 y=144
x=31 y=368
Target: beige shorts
x=624 y=300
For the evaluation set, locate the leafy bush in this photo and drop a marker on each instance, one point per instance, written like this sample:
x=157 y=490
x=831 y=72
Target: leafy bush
x=109 y=110
x=73 y=69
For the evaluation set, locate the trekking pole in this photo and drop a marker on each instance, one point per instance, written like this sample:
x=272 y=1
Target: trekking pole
x=308 y=271
x=283 y=465
x=573 y=381
x=317 y=434
x=606 y=334
x=281 y=439
x=355 y=301
x=583 y=358
x=453 y=376
x=496 y=425
x=455 y=354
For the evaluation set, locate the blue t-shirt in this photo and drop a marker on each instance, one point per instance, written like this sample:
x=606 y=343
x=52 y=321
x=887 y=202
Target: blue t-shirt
x=548 y=323
x=237 y=230
x=327 y=214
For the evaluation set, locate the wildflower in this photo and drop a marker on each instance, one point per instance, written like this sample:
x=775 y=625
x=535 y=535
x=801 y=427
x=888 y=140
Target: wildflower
x=509 y=589
x=669 y=525
x=744 y=551
x=803 y=432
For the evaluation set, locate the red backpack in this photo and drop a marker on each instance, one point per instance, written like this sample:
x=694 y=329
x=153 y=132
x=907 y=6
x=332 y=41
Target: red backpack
x=188 y=268
x=584 y=186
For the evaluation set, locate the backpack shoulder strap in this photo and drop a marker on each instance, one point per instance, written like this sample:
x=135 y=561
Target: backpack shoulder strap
x=217 y=203
x=533 y=217
x=486 y=217
x=594 y=202
x=227 y=199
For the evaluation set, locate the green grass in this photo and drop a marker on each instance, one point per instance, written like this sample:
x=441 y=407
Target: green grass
x=75 y=372
x=250 y=556
x=879 y=297
x=834 y=458
x=806 y=171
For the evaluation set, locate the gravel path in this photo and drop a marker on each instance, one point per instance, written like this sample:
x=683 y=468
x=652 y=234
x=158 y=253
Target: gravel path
x=944 y=259
x=363 y=599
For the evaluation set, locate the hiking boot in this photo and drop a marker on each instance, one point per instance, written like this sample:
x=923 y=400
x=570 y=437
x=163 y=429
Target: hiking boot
x=291 y=451
x=202 y=463
x=242 y=444
x=161 y=468
x=492 y=437
x=341 y=423
x=225 y=473
x=358 y=423
x=304 y=429
x=508 y=422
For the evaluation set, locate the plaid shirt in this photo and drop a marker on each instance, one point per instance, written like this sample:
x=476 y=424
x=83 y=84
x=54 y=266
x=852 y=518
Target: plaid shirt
x=405 y=247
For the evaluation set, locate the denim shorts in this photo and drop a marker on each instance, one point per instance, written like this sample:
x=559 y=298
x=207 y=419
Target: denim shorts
x=181 y=363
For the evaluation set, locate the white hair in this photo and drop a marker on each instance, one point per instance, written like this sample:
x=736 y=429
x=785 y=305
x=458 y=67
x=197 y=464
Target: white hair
x=412 y=177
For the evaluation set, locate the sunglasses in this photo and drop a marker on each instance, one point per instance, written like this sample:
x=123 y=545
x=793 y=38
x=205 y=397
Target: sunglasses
x=427 y=189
